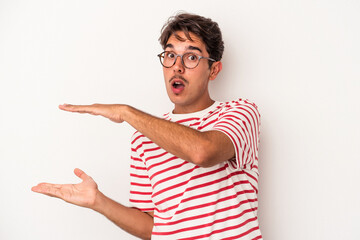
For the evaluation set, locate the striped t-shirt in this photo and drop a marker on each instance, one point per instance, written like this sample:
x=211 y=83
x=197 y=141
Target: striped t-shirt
x=192 y=202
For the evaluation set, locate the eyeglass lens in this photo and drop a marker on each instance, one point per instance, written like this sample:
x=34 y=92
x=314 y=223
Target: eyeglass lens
x=190 y=60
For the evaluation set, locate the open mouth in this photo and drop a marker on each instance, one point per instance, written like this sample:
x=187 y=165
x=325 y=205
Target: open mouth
x=177 y=86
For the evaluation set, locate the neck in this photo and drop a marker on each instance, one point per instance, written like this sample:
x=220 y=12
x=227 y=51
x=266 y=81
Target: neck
x=193 y=107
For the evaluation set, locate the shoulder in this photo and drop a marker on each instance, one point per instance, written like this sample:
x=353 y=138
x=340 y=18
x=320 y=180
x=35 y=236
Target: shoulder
x=242 y=105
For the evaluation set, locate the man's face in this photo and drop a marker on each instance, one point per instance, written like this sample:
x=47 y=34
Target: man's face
x=188 y=88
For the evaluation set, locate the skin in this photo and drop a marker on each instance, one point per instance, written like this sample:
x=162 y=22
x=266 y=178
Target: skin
x=201 y=148
x=195 y=96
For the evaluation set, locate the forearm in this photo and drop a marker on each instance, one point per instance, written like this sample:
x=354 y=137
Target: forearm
x=201 y=148
x=131 y=220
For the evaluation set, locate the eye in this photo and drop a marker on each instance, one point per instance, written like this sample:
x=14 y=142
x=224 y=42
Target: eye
x=192 y=57
x=170 y=55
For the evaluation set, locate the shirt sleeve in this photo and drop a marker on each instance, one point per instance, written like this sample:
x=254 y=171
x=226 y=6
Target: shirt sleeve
x=240 y=121
x=140 y=185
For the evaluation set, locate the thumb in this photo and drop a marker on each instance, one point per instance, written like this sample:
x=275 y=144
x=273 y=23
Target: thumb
x=81 y=174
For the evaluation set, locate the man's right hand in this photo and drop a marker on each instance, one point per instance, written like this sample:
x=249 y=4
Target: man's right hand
x=82 y=194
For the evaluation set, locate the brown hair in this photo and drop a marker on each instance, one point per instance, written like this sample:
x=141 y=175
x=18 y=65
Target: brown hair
x=204 y=28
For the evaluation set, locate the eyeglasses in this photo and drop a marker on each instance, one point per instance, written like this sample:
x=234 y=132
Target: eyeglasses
x=189 y=60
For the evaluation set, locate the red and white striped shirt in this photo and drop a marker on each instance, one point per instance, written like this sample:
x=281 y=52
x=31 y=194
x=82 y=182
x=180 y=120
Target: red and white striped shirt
x=192 y=202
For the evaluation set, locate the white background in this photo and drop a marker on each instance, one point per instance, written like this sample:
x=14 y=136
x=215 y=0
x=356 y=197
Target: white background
x=297 y=60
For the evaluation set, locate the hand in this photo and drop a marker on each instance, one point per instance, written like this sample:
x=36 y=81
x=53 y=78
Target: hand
x=114 y=112
x=82 y=194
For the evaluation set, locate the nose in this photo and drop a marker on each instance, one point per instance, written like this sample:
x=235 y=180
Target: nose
x=178 y=66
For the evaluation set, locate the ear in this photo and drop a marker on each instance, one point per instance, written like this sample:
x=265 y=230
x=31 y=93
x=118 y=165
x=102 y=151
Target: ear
x=215 y=69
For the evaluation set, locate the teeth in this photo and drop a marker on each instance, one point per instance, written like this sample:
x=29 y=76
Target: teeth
x=177 y=84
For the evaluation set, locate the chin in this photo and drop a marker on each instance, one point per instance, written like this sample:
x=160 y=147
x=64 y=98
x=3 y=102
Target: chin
x=176 y=100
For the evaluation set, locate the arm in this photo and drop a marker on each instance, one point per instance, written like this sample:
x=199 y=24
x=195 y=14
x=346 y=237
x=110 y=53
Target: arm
x=131 y=220
x=86 y=194
x=201 y=148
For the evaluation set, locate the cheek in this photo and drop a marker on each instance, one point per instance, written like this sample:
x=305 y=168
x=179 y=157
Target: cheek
x=202 y=78
x=167 y=73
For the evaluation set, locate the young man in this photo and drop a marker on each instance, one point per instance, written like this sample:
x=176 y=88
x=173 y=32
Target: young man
x=193 y=173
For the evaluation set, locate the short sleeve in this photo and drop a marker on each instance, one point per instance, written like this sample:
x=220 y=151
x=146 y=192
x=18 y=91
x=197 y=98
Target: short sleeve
x=140 y=186
x=240 y=121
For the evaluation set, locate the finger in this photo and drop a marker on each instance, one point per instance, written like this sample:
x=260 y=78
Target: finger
x=48 y=189
x=81 y=174
x=38 y=188
x=69 y=107
x=66 y=107
x=46 y=185
x=76 y=108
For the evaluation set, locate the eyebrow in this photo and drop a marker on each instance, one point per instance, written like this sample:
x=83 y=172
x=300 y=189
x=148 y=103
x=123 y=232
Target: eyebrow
x=168 y=46
x=189 y=47
x=194 y=48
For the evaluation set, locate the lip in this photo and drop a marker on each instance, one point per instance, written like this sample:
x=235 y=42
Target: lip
x=177 y=78
x=181 y=81
x=178 y=81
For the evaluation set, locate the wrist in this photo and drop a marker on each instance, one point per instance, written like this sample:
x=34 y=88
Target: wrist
x=125 y=112
x=99 y=203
